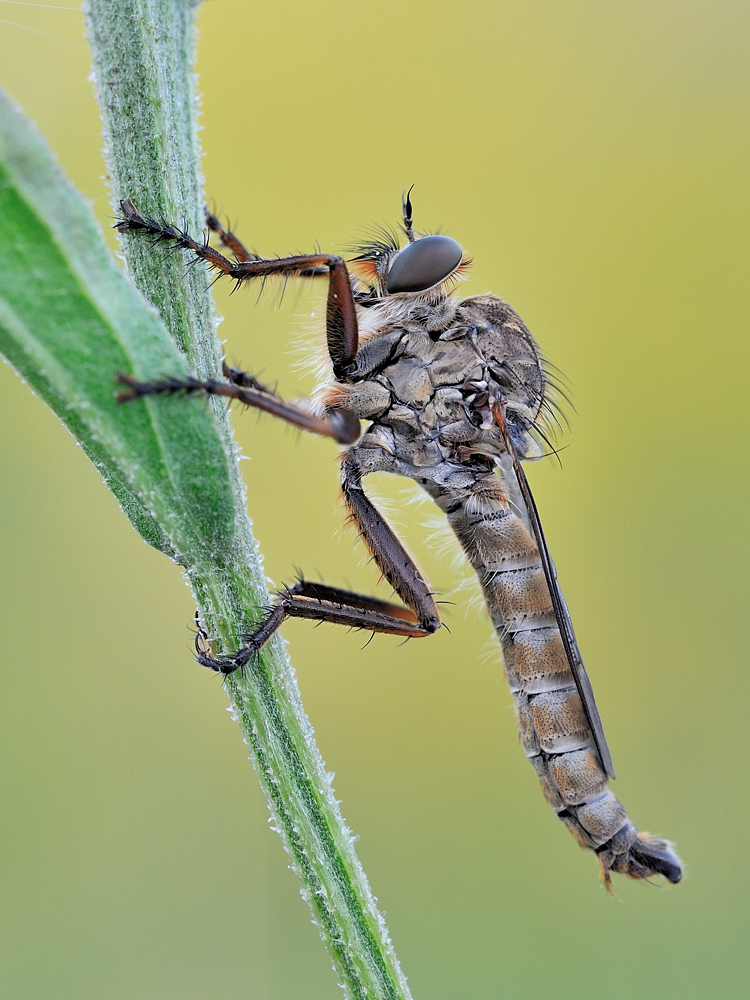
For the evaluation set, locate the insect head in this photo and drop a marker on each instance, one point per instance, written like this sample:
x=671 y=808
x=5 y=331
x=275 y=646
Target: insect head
x=426 y=262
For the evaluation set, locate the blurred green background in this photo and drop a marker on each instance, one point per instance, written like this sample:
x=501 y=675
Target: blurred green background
x=592 y=157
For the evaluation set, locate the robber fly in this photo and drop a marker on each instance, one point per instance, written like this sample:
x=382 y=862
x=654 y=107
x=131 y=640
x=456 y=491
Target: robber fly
x=454 y=393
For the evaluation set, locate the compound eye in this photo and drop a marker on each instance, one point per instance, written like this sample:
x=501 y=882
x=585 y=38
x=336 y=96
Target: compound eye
x=422 y=264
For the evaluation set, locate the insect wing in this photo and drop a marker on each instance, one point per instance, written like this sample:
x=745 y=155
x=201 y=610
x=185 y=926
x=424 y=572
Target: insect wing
x=573 y=653
x=580 y=674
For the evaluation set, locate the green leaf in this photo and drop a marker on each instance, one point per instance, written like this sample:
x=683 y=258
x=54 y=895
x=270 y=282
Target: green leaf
x=69 y=321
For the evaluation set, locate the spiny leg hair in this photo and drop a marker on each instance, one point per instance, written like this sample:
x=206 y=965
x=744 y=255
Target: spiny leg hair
x=341 y=315
x=317 y=602
x=339 y=424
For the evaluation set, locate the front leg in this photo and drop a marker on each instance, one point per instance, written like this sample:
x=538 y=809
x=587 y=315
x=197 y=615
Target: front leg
x=228 y=238
x=341 y=314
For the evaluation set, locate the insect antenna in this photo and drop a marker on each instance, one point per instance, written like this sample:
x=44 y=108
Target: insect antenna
x=407 y=213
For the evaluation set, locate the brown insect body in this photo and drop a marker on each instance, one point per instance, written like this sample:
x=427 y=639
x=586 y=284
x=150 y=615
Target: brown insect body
x=424 y=379
x=454 y=392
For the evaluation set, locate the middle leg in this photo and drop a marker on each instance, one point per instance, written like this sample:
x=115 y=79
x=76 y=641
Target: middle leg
x=337 y=423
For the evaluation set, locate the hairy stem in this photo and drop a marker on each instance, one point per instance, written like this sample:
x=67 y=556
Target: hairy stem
x=143 y=54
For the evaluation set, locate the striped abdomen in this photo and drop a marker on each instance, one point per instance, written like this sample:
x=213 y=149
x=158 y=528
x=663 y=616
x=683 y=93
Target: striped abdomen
x=553 y=726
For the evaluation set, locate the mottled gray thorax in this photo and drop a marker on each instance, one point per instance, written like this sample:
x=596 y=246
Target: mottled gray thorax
x=428 y=375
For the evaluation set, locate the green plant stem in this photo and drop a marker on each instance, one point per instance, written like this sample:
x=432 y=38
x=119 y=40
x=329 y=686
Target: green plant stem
x=143 y=67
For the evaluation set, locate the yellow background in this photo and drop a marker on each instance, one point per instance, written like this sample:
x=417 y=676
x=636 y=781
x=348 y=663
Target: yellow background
x=592 y=157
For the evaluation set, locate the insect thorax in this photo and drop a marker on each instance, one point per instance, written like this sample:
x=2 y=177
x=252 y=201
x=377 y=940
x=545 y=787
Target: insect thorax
x=428 y=375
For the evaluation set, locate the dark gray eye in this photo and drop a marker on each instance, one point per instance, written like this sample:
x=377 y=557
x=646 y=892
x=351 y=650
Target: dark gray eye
x=424 y=263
